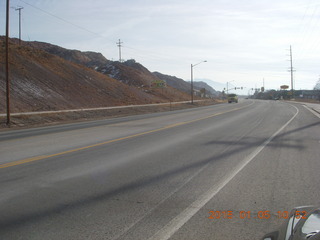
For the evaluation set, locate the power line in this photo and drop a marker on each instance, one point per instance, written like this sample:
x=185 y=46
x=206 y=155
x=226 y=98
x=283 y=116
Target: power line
x=63 y=20
x=119 y=44
x=291 y=71
x=307 y=30
x=148 y=53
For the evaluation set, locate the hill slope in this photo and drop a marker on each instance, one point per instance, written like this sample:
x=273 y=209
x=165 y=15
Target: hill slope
x=175 y=82
x=129 y=72
x=42 y=81
x=88 y=59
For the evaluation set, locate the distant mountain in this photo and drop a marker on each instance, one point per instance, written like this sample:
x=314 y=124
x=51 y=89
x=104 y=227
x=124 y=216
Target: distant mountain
x=201 y=85
x=215 y=85
x=182 y=85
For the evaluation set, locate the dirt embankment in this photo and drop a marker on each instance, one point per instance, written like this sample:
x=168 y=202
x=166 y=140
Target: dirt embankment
x=42 y=81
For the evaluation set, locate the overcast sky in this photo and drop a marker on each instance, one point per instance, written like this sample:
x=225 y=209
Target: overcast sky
x=244 y=41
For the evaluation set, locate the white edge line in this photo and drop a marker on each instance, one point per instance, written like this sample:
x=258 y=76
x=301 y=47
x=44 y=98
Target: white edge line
x=176 y=223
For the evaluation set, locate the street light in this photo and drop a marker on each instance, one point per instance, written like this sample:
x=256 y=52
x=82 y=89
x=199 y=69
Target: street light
x=193 y=65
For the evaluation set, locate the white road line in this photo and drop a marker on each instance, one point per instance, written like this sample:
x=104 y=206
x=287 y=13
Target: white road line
x=189 y=179
x=124 y=231
x=176 y=223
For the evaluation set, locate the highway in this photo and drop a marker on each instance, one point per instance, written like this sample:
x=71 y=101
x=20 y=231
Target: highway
x=227 y=171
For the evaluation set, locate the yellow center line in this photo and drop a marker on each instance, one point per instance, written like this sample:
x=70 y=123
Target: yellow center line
x=33 y=159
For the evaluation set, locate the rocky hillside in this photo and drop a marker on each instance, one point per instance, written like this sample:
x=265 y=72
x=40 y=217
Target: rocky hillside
x=43 y=81
x=129 y=72
x=88 y=59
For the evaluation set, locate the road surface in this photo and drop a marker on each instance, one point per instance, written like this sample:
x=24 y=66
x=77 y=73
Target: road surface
x=228 y=171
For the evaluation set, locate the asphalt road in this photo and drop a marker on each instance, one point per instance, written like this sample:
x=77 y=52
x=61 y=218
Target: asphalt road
x=221 y=172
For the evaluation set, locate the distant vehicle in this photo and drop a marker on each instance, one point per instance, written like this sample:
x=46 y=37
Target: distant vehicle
x=302 y=223
x=232 y=98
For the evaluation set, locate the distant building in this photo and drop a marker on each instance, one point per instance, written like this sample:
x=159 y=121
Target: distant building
x=307 y=94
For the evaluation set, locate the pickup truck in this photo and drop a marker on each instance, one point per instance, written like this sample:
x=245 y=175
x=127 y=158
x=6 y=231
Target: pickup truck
x=232 y=98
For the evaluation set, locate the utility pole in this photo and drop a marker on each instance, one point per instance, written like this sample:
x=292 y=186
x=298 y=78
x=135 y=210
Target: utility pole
x=119 y=45
x=191 y=93
x=19 y=9
x=227 y=87
x=291 y=70
x=7 y=65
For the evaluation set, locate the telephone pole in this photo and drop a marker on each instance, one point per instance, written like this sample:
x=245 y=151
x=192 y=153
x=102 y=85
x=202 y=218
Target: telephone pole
x=7 y=65
x=291 y=70
x=19 y=9
x=119 y=45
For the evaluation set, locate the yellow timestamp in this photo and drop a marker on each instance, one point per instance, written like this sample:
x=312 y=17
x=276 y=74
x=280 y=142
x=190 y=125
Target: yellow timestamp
x=264 y=214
